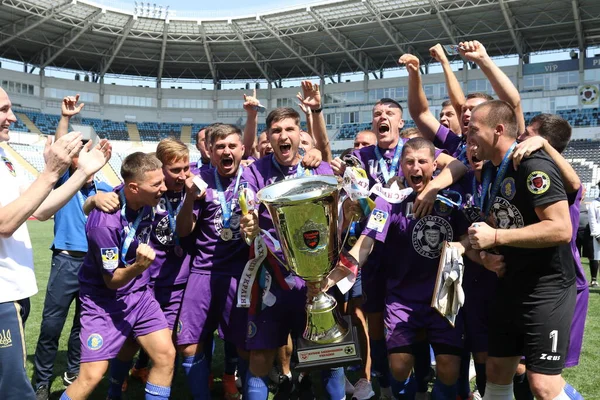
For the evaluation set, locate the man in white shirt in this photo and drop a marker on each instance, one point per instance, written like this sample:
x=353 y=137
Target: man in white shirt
x=17 y=203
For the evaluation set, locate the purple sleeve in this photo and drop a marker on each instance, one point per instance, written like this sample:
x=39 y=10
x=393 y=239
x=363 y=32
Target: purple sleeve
x=104 y=245
x=447 y=140
x=379 y=221
x=324 y=169
x=249 y=177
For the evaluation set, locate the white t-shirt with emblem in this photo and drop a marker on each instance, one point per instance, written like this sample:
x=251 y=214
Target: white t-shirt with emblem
x=17 y=279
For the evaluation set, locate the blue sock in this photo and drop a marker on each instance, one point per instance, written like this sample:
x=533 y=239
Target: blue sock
x=64 y=396
x=462 y=384
x=422 y=365
x=197 y=371
x=379 y=361
x=155 y=392
x=404 y=390
x=572 y=393
x=231 y=358
x=443 y=392
x=256 y=388
x=142 y=360
x=480 y=378
x=334 y=383
x=118 y=373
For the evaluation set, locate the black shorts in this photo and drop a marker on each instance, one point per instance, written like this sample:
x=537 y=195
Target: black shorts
x=536 y=326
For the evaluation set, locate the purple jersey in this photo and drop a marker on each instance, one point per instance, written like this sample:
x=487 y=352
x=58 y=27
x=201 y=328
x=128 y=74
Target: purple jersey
x=417 y=242
x=574 y=203
x=265 y=172
x=171 y=265
x=106 y=235
x=201 y=165
x=212 y=254
x=370 y=164
x=449 y=141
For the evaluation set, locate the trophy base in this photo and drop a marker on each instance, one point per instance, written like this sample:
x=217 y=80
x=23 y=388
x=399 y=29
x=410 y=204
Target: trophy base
x=345 y=352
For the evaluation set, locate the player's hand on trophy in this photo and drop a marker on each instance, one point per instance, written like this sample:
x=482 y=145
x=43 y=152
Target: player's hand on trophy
x=493 y=262
x=249 y=226
x=144 y=255
x=438 y=53
x=59 y=154
x=526 y=147
x=482 y=236
x=338 y=166
x=91 y=160
x=107 y=202
x=251 y=103
x=473 y=51
x=312 y=159
x=69 y=106
x=411 y=62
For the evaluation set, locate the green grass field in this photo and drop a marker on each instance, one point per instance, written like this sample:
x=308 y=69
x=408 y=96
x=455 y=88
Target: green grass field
x=584 y=377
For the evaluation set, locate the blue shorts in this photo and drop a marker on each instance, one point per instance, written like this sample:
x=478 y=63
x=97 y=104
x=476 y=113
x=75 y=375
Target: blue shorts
x=355 y=291
x=14 y=382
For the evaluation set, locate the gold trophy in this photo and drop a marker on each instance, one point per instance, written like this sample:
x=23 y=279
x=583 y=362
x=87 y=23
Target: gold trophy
x=304 y=212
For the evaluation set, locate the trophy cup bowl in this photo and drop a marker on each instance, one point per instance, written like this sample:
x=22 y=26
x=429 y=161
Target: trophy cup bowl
x=304 y=212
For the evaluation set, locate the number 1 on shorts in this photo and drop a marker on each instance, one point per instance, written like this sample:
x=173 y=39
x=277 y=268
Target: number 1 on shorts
x=554 y=337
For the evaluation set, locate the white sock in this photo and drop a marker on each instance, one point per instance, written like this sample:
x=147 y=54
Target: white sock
x=498 y=392
x=561 y=396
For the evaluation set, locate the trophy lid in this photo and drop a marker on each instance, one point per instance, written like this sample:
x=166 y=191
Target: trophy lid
x=299 y=189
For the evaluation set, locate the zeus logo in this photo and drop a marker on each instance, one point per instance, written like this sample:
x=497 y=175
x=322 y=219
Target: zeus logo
x=545 y=356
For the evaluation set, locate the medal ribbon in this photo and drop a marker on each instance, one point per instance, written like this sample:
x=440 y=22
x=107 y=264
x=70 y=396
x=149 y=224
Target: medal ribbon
x=487 y=179
x=387 y=174
x=225 y=206
x=132 y=229
x=446 y=198
x=300 y=171
x=172 y=215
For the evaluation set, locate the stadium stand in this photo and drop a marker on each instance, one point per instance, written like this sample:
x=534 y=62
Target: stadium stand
x=154 y=131
x=107 y=129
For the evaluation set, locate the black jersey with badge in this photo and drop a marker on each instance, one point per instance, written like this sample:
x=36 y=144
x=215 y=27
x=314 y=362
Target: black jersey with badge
x=536 y=183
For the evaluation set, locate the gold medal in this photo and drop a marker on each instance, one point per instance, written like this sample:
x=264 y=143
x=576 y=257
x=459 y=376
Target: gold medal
x=226 y=234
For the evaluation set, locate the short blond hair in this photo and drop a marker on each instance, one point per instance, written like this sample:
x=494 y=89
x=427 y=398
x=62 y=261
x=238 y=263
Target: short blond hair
x=137 y=164
x=172 y=149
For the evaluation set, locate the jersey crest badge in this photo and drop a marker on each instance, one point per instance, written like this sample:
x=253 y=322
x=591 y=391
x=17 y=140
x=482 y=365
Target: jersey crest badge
x=95 y=342
x=10 y=166
x=110 y=258
x=508 y=189
x=538 y=182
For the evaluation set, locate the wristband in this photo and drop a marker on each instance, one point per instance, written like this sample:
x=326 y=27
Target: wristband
x=349 y=262
x=317 y=110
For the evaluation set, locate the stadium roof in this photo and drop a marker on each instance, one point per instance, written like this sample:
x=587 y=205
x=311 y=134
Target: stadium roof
x=324 y=39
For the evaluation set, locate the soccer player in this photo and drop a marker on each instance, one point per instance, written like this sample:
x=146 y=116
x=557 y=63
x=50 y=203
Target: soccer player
x=381 y=162
x=217 y=263
x=552 y=133
x=535 y=300
x=449 y=117
x=17 y=203
x=170 y=270
x=410 y=283
x=204 y=160
x=116 y=302
x=364 y=139
x=68 y=250
x=268 y=328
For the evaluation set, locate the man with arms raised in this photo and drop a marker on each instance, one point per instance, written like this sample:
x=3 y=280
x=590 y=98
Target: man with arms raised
x=19 y=202
x=115 y=300
x=268 y=328
x=212 y=219
x=534 y=303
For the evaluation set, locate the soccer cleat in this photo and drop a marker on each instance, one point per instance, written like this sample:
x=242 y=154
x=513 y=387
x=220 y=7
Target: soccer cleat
x=42 y=392
x=230 y=390
x=594 y=283
x=141 y=374
x=349 y=388
x=363 y=390
x=386 y=393
x=69 y=378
